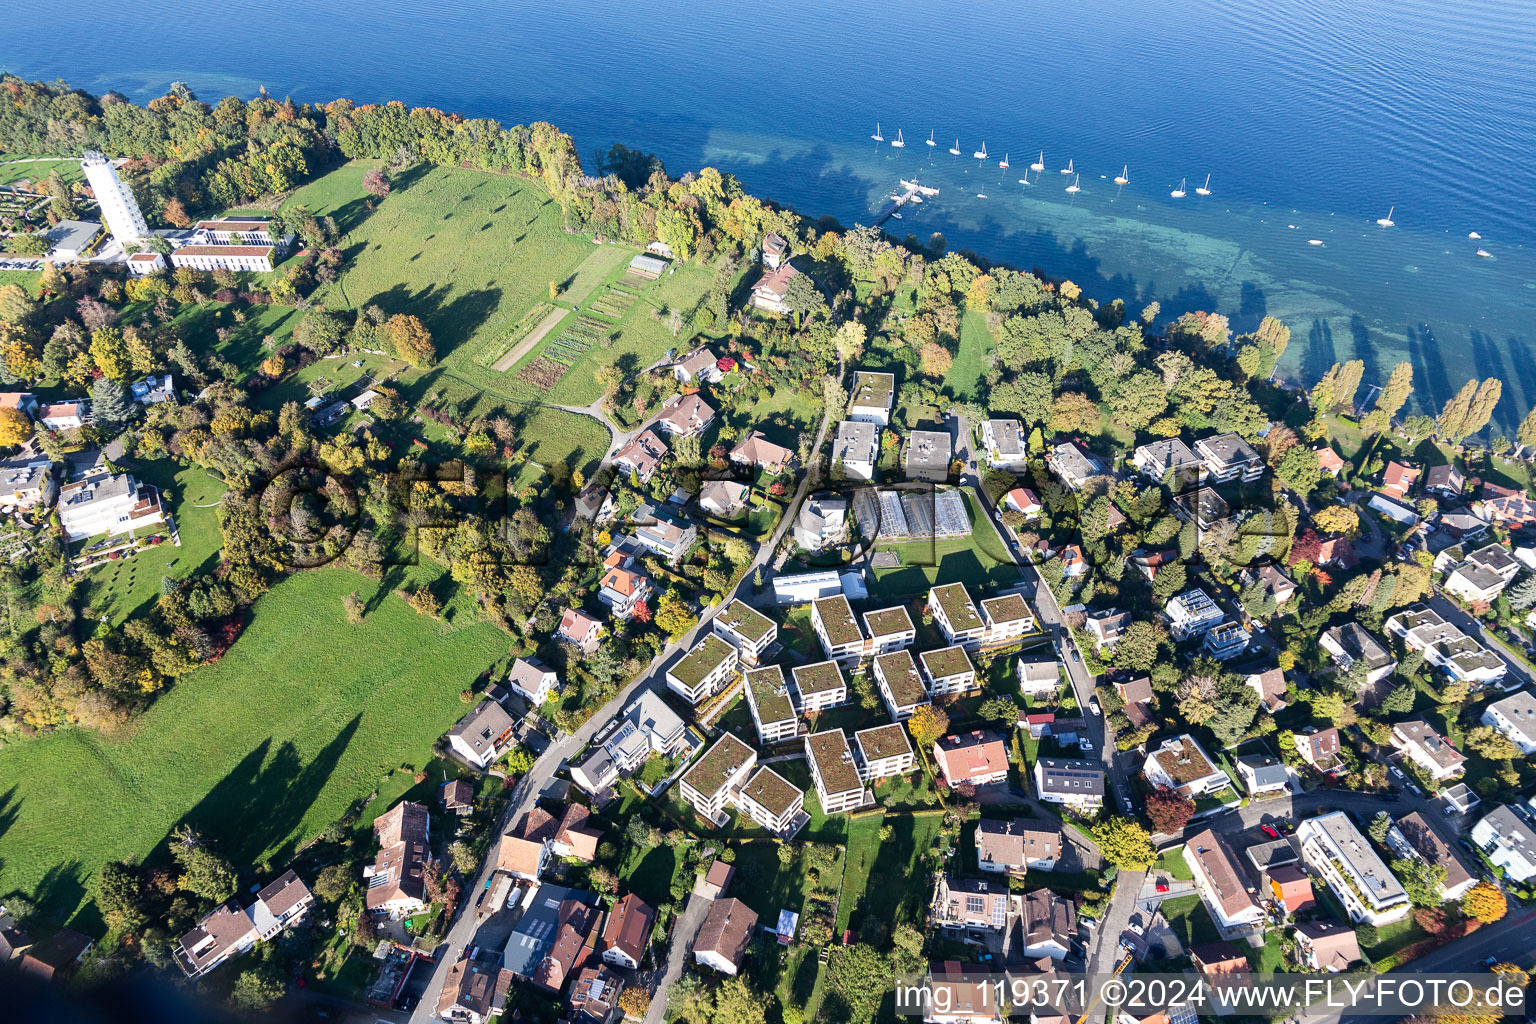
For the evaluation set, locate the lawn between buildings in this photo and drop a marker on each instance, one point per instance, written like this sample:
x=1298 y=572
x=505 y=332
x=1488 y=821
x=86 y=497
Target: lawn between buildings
x=296 y=725
x=977 y=560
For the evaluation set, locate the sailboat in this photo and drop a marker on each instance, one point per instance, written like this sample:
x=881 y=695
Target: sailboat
x=1179 y=192
x=930 y=139
x=981 y=154
x=899 y=142
x=1387 y=221
x=1068 y=169
x=1072 y=188
x=1025 y=180
x=1204 y=190
x=1124 y=177
x=877 y=136
x=955 y=149
x=981 y=195
x=1038 y=165
x=1003 y=163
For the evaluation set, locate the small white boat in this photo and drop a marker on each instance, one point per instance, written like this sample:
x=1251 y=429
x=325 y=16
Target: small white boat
x=1003 y=163
x=981 y=154
x=1024 y=181
x=1485 y=254
x=1073 y=188
x=877 y=136
x=1038 y=165
x=1204 y=190
x=1387 y=221
x=1314 y=241
x=955 y=149
x=981 y=195
x=915 y=198
x=899 y=142
x=1124 y=177
x=1474 y=235
x=930 y=139
x=1068 y=169
x=896 y=216
x=1179 y=192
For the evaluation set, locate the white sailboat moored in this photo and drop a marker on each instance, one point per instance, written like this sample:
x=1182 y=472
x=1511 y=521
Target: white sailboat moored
x=981 y=154
x=1069 y=169
x=877 y=136
x=930 y=139
x=1124 y=177
x=1204 y=190
x=1038 y=165
x=1179 y=192
x=1387 y=221
x=899 y=142
x=955 y=149
x=1073 y=188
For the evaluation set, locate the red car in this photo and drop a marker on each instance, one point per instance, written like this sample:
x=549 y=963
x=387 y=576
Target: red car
x=1162 y=885
x=1269 y=830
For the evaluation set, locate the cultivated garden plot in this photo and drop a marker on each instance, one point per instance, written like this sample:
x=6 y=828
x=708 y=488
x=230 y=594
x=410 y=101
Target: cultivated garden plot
x=523 y=338
x=614 y=302
x=564 y=352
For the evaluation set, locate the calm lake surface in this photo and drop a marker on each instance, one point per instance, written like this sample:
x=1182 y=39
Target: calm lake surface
x=1312 y=118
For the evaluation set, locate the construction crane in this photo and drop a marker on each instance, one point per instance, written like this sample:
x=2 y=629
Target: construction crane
x=1120 y=967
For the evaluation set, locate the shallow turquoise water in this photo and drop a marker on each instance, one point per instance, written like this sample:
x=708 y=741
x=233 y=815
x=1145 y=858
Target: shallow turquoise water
x=1312 y=119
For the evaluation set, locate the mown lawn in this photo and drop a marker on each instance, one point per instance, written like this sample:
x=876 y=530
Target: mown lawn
x=10 y=172
x=976 y=346
x=900 y=892
x=977 y=560
x=119 y=589
x=1189 y=921
x=301 y=721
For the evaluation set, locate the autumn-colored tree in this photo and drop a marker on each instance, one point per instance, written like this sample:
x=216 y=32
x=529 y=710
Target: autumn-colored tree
x=1485 y=902
x=641 y=612
x=1337 y=519
x=927 y=724
x=1074 y=413
x=110 y=352
x=15 y=427
x=934 y=360
x=376 y=183
x=1168 y=811
x=175 y=214
x=411 y=339
x=1124 y=843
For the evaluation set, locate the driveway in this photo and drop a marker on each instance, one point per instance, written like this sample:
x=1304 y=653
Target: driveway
x=678 y=950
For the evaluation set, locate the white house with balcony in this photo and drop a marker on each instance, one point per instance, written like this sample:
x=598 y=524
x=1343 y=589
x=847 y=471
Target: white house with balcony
x=1515 y=717
x=703 y=671
x=1335 y=849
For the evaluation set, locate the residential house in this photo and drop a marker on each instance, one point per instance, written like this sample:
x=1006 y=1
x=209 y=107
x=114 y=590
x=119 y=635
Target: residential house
x=889 y=629
x=832 y=619
x=1071 y=782
x=773 y=712
x=1181 y=764
x=396 y=880
x=884 y=751
x=1262 y=773
x=951 y=997
x=65 y=415
x=1279 y=587
x=775 y=250
x=770 y=293
x=723 y=938
x=855 y=450
x=533 y=679
x=554 y=946
x=1202 y=506
x=1050 y=925
x=1445 y=481
x=685 y=415
x=622 y=588
x=956 y=615
x=21 y=401
x=871 y=399
x=641 y=457
x=1399 y=480
x=1221 y=961
x=723 y=498
x=1191 y=614
x=1335 y=849
x=970 y=904
x=710 y=784
x=1515 y=717
x=1425 y=747
x=473 y=991
x=1397 y=511
x=1291 y=888
x=1228 y=457
x=27 y=482
x=108 y=503
x=527 y=847
x=700 y=365
x=1004 y=443
x=1350 y=643
x=482 y=736
x=1425 y=842
x=1223 y=884
x=1320 y=749
x=663 y=533
x=703 y=671
x=646 y=727
x=948 y=671
x=1023 y=501
x=1507 y=836
x=1017 y=845
x=756 y=451
x=1073 y=465
x=1004 y=620
x=1169 y=460
x=1484 y=574
x=748 y=630
x=154 y=389
x=457 y=796
x=900 y=686
x=821 y=523
x=839 y=785
x=1106 y=627
x=1444 y=646
x=928 y=455
x=1330 y=461
x=1226 y=640
x=594 y=502
x=819 y=686
x=594 y=996
x=1270 y=686
x=1134 y=689
x=581 y=629
x=1038 y=676
x=1327 y=946
x=976 y=758
x=627 y=932
x=1337 y=553
x=228 y=931
x=55 y=957
x=773 y=802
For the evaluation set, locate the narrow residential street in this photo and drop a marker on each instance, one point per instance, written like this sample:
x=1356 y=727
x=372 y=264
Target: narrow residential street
x=684 y=931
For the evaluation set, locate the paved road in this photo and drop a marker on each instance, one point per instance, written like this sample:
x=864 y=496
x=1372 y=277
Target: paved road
x=683 y=933
x=1452 y=613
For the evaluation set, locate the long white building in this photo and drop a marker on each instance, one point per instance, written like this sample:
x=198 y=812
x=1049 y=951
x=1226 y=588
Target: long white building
x=118 y=206
x=1332 y=845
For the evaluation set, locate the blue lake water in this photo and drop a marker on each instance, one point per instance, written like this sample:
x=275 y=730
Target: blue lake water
x=1312 y=118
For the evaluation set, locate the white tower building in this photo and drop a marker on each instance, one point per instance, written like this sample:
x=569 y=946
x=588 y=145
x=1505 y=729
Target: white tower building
x=118 y=207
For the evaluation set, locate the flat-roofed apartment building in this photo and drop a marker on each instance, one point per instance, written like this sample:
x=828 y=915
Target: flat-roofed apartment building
x=999 y=622
x=884 y=751
x=839 y=784
x=746 y=629
x=710 y=784
x=871 y=398
x=819 y=686
x=948 y=670
x=887 y=629
x=703 y=671
x=1334 y=848
x=773 y=712
x=900 y=685
x=1071 y=782
x=773 y=802
x=1005 y=619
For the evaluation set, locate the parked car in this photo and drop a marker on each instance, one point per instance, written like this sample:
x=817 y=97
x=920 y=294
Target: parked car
x=1391 y=798
x=1162 y=885
x=1270 y=831
x=1093 y=705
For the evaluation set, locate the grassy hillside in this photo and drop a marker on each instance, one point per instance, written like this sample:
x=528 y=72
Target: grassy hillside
x=303 y=717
